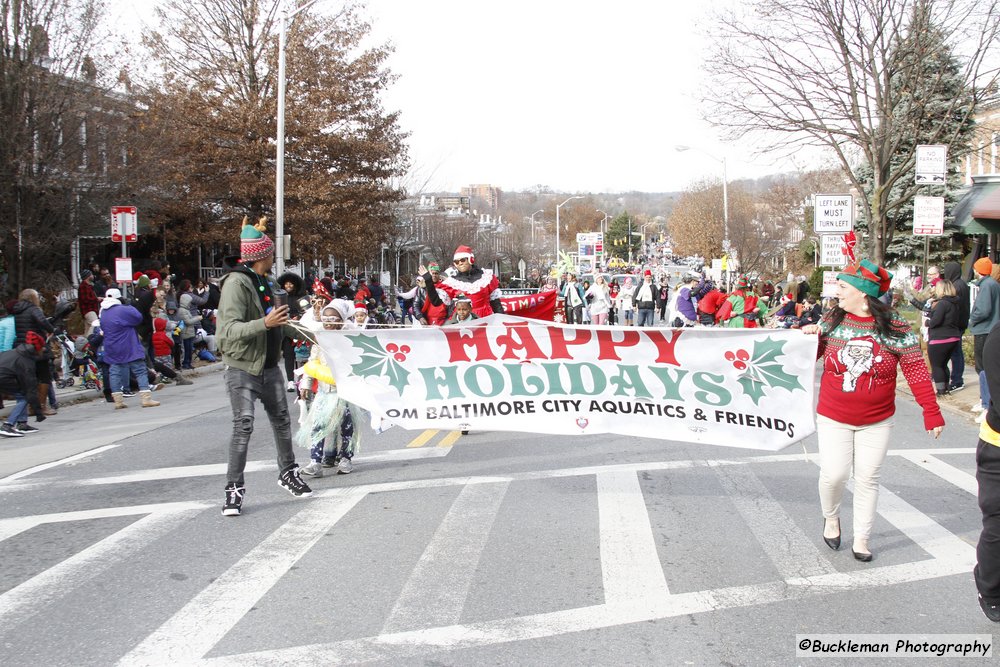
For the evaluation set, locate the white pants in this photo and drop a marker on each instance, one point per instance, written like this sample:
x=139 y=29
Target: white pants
x=840 y=447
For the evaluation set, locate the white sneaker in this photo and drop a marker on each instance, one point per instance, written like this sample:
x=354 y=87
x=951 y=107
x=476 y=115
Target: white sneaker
x=291 y=386
x=981 y=417
x=314 y=469
x=976 y=407
x=344 y=467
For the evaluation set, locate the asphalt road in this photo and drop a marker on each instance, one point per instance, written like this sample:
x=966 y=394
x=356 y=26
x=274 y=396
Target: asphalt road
x=441 y=549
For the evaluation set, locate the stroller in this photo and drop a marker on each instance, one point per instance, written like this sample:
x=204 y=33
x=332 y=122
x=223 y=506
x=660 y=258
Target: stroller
x=68 y=352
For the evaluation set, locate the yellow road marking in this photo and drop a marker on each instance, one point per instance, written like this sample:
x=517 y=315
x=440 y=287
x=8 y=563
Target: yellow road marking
x=423 y=438
x=450 y=439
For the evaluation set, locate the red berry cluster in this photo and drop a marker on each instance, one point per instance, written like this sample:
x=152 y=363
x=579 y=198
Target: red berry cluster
x=739 y=359
x=398 y=353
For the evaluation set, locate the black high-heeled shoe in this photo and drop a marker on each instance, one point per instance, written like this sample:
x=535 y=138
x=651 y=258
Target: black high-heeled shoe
x=863 y=557
x=832 y=542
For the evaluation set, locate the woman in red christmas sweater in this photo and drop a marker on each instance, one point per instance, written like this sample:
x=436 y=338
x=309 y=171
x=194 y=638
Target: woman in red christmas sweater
x=862 y=342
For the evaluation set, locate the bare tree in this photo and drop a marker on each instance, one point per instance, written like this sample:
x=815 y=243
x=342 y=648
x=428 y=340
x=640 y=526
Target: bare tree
x=213 y=117
x=857 y=78
x=61 y=135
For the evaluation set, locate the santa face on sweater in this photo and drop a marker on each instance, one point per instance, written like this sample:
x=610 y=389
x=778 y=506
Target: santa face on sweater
x=855 y=362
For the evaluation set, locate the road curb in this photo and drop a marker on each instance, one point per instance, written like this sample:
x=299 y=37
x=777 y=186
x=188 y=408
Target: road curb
x=72 y=395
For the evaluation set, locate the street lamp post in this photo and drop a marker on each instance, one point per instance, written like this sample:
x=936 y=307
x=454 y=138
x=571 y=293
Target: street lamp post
x=541 y=210
x=558 y=206
x=725 y=192
x=725 y=201
x=604 y=221
x=279 y=189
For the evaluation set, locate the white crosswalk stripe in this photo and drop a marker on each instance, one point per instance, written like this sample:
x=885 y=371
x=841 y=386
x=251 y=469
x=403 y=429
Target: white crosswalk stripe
x=428 y=611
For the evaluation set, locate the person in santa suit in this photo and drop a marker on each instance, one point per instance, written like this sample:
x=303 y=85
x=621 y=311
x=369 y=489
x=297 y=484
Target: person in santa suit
x=479 y=285
x=862 y=343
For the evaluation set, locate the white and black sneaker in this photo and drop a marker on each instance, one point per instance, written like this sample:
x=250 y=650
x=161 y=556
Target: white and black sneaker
x=25 y=427
x=291 y=481
x=234 y=500
x=8 y=431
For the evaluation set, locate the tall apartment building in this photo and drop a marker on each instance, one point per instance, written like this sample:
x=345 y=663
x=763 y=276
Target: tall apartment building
x=488 y=194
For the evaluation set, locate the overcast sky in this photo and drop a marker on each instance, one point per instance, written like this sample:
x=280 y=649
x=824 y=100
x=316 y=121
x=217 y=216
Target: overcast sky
x=579 y=97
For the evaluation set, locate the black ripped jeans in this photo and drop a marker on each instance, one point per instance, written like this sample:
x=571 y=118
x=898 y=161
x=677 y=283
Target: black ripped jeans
x=244 y=390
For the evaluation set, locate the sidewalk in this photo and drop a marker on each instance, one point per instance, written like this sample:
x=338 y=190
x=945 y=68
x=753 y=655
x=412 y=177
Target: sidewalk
x=77 y=394
x=957 y=403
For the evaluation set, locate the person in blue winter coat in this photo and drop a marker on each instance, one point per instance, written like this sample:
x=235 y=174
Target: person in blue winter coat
x=123 y=351
x=7 y=331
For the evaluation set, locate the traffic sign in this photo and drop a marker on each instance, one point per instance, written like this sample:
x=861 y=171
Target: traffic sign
x=124 y=222
x=832 y=250
x=928 y=216
x=830 y=284
x=932 y=164
x=833 y=214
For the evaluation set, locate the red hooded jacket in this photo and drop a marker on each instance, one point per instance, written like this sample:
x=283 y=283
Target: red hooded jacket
x=163 y=345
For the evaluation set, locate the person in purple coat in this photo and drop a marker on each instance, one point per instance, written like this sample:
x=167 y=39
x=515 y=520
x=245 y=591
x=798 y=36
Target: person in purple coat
x=123 y=351
x=687 y=304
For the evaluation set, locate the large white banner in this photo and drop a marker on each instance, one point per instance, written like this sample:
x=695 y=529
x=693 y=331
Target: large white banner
x=750 y=388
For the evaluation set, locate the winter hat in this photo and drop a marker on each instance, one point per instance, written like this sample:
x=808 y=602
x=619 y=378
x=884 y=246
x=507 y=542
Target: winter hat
x=360 y=305
x=143 y=281
x=32 y=338
x=743 y=282
x=983 y=266
x=461 y=298
x=344 y=307
x=434 y=266
x=86 y=273
x=647 y=272
x=254 y=243
x=464 y=252
x=320 y=290
x=868 y=277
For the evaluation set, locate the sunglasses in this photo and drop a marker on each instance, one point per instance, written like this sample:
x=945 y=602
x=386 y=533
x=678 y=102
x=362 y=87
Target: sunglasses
x=460 y=261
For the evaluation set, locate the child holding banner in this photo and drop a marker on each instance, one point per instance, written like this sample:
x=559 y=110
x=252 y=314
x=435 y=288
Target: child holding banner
x=325 y=415
x=862 y=343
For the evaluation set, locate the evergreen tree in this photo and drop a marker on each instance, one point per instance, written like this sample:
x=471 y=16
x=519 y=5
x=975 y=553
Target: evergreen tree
x=939 y=97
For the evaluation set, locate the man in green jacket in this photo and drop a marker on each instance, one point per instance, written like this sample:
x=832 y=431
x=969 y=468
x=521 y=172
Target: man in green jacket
x=250 y=327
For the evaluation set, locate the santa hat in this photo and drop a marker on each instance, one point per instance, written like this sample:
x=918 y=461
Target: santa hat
x=647 y=272
x=464 y=252
x=864 y=341
x=319 y=289
x=254 y=243
x=868 y=277
x=360 y=305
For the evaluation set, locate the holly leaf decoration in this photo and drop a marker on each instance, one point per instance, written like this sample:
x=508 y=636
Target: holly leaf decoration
x=764 y=370
x=376 y=362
